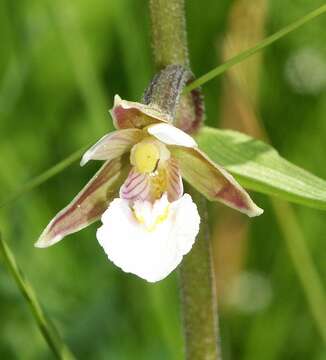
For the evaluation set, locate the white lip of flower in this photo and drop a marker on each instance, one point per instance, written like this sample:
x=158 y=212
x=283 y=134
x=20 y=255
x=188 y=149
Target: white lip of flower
x=149 y=240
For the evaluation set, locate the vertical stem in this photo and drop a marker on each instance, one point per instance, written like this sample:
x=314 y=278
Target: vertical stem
x=199 y=303
x=198 y=298
x=169 y=35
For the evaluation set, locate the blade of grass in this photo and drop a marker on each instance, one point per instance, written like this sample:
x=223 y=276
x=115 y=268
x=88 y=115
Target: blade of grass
x=42 y=178
x=303 y=262
x=47 y=329
x=253 y=50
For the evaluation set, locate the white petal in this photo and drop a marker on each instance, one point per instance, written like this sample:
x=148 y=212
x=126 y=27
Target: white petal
x=171 y=135
x=151 y=255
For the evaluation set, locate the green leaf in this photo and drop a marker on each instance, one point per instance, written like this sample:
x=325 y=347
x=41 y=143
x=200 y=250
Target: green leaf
x=259 y=167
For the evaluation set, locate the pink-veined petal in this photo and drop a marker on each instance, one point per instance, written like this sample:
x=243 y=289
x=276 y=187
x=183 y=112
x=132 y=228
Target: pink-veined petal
x=214 y=182
x=173 y=180
x=128 y=114
x=136 y=186
x=170 y=135
x=88 y=205
x=113 y=145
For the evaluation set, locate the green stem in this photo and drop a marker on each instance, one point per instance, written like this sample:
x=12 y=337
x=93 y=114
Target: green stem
x=199 y=310
x=169 y=37
x=198 y=293
x=48 y=330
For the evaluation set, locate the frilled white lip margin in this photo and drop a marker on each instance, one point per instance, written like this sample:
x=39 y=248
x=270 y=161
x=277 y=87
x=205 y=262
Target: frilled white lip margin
x=149 y=240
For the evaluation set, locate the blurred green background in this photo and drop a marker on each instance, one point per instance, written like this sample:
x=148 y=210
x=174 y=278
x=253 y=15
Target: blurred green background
x=61 y=62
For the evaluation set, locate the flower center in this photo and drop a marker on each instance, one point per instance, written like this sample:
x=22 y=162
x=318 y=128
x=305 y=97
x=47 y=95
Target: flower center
x=145 y=156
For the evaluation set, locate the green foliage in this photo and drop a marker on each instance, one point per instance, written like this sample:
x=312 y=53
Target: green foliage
x=259 y=167
x=60 y=65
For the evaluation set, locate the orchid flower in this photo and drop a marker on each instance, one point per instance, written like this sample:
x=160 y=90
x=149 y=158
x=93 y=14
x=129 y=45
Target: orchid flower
x=148 y=223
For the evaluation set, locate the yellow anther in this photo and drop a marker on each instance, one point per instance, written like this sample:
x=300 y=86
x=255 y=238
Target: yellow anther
x=158 y=183
x=145 y=157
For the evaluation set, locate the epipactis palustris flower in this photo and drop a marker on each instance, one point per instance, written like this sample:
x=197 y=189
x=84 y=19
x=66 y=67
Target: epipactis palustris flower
x=148 y=223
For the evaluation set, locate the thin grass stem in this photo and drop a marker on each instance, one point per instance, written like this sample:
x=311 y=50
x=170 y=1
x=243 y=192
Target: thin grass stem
x=253 y=50
x=47 y=328
x=42 y=178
